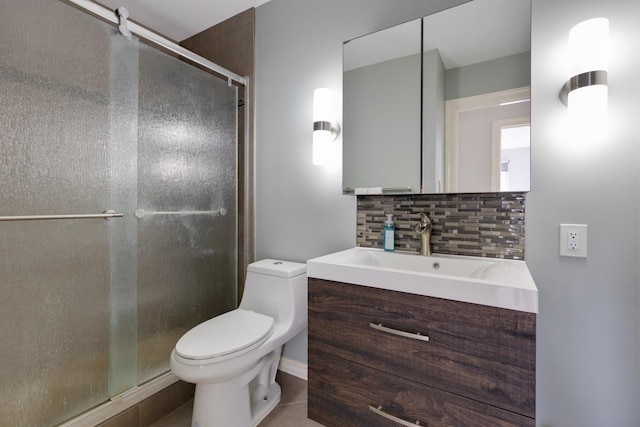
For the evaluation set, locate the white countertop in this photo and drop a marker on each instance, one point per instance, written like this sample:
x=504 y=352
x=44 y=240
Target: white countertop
x=487 y=281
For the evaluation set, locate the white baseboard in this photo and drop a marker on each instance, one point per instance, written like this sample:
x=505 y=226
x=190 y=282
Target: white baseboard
x=293 y=367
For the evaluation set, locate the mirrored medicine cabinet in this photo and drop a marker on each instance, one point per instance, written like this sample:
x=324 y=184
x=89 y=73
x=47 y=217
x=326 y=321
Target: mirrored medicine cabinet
x=440 y=104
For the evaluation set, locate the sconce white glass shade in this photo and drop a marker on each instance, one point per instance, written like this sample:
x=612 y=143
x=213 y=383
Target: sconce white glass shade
x=325 y=149
x=322 y=105
x=588 y=91
x=325 y=128
x=588 y=110
x=589 y=46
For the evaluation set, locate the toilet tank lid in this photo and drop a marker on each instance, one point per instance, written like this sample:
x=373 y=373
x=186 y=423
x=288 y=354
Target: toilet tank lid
x=274 y=267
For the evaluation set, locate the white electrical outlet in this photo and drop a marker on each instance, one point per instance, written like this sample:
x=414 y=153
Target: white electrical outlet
x=573 y=240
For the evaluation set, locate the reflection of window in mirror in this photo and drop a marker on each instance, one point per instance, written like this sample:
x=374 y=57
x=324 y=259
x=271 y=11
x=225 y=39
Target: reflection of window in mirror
x=504 y=176
x=512 y=151
x=473 y=141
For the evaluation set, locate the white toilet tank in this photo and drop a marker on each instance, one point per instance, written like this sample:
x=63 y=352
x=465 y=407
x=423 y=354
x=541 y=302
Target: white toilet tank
x=278 y=289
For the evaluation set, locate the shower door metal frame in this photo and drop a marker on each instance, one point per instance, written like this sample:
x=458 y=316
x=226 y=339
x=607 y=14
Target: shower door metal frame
x=111 y=16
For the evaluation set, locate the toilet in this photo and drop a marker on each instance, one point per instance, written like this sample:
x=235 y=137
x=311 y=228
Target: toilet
x=233 y=358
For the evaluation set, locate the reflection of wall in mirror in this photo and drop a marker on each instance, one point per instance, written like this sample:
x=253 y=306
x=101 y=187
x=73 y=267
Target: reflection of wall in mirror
x=475 y=144
x=508 y=72
x=472 y=170
x=381 y=124
x=433 y=121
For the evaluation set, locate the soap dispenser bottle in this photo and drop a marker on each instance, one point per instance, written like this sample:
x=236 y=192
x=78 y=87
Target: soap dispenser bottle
x=388 y=234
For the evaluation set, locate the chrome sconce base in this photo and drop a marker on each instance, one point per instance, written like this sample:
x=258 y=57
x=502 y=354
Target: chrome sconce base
x=589 y=78
x=334 y=128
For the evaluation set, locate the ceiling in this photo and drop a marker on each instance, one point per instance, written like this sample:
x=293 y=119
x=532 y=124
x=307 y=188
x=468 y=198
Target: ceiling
x=467 y=34
x=483 y=29
x=181 y=19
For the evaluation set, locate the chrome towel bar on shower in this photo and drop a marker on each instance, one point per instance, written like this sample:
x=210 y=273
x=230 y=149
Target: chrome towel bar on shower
x=141 y=213
x=105 y=215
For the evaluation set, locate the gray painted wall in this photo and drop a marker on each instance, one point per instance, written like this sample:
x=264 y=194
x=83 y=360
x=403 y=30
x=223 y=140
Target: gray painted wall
x=300 y=210
x=588 y=358
x=589 y=320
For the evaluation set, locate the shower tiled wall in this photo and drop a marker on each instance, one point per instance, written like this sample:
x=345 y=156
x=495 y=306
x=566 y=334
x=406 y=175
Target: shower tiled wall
x=479 y=224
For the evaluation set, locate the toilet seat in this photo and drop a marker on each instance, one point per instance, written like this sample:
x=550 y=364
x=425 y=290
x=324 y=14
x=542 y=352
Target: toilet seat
x=231 y=332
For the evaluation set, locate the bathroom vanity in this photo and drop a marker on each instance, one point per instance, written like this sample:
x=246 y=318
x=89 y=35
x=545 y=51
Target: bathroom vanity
x=384 y=357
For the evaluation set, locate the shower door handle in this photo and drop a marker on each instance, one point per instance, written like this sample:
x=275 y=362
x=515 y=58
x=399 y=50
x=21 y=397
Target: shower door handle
x=140 y=213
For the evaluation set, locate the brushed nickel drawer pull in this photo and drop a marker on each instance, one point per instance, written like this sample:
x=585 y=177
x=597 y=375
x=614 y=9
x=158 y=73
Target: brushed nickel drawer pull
x=380 y=412
x=379 y=327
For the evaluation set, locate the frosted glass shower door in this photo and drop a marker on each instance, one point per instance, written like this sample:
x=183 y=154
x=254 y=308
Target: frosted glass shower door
x=186 y=207
x=91 y=121
x=173 y=169
x=54 y=274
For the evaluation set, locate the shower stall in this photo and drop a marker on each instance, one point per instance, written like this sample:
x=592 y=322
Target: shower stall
x=118 y=209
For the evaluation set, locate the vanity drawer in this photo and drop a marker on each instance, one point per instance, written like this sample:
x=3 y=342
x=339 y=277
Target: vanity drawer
x=342 y=393
x=483 y=353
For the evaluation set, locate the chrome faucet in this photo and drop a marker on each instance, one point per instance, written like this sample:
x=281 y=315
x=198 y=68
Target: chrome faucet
x=424 y=229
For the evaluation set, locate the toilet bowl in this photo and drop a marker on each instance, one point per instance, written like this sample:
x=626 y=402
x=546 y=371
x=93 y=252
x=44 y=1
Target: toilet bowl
x=233 y=358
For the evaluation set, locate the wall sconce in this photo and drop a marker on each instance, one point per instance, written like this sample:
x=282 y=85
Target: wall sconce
x=586 y=92
x=325 y=128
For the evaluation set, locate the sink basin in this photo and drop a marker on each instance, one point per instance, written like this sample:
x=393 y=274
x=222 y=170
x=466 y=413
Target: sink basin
x=487 y=281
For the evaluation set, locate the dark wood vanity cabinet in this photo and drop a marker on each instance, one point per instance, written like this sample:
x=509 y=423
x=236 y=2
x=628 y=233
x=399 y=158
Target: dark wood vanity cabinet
x=386 y=358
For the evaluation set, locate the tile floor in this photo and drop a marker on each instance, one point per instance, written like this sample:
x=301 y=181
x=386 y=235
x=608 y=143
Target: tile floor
x=290 y=412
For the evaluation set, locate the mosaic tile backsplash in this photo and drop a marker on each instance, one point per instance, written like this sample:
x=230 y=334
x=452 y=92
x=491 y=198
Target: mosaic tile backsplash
x=480 y=224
